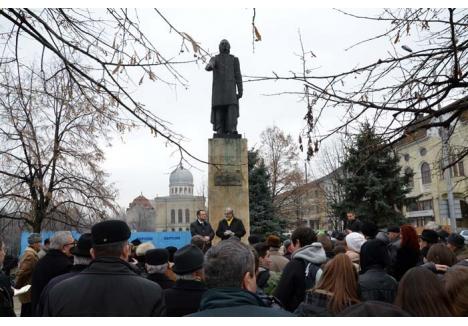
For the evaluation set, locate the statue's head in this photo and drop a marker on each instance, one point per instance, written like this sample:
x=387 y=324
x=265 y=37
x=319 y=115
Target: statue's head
x=224 y=46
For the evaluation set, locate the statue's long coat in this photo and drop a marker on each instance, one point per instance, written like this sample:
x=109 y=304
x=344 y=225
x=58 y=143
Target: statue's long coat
x=226 y=76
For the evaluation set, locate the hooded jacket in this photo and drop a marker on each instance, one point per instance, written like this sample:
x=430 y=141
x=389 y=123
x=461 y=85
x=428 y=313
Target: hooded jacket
x=291 y=286
x=234 y=302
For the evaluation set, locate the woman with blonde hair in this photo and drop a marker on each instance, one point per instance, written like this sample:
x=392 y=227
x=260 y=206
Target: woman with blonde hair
x=336 y=290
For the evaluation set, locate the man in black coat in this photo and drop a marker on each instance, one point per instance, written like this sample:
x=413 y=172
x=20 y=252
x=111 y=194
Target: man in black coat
x=56 y=262
x=230 y=226
x=185 y=296
x=230 y=277
x=108 y=287
x=353 y=224
x=157 y=263
x=81 y=260
x=203 y=228
x=6 y=291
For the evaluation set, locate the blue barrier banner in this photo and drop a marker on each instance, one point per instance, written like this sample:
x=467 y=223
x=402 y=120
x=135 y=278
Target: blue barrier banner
x=159 y=239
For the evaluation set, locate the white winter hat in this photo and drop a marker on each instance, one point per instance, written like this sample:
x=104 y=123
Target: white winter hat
x=354 y=241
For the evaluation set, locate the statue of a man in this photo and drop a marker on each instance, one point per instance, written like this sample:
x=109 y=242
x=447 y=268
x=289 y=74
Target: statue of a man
x=225 y=98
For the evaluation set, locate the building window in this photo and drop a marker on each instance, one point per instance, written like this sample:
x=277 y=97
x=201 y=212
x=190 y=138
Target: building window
x=172 y=216
x=458 y=170
x=406 y=157
x=187 y=229
x=410 y=175
x=185 y=190
x=425 y=173
x=180 y=218
x=422 y=151
x=187 y=216
x=173 y=230
x=180 y=229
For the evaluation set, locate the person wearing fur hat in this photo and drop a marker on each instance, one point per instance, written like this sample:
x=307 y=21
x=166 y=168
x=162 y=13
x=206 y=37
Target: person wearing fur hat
x=426 y=240
x=157 y=263
x=278 y=262
x=303 y=271
x=185 y=296
x=26 y=268
x=108 y=287
x=81 y=260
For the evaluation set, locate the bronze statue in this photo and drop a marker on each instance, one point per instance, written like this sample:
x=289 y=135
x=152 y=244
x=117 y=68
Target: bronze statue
x=225 y=99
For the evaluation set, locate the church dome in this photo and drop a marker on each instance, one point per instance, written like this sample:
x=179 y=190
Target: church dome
x=181 y=177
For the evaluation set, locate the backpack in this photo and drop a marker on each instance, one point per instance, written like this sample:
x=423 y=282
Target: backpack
x=311 y=274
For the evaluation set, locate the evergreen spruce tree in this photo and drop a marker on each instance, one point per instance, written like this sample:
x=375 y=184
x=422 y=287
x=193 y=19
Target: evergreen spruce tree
x=263 y=220
x=371 y=181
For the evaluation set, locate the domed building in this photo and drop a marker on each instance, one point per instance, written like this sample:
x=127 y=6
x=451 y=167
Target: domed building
x=176 y=211
x=140 y=214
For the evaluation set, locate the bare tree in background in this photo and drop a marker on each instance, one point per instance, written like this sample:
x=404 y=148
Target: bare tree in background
x=281 y=157
x=398 y=92
x=50 y=152
x=98 y=49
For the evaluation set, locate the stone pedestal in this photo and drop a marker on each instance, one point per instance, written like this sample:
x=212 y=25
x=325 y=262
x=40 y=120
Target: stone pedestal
x=228 y=181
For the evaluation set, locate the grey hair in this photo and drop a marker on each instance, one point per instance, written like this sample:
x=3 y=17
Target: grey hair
x=78 y=260
x=143 y=248
x=229 y=209
x=156 y=269
x=227 y=263
x=60 y=239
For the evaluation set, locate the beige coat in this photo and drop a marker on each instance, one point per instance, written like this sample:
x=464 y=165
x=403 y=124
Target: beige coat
x=24 y=276
x=278 y=262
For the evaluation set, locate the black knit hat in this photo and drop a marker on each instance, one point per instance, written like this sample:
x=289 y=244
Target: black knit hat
x=456 y=240
x=157 y=257
x=374 y=309
x=187 y=260
x=394 y=229
x=373 y=253
x=369 y=229
x=83 y=246
x=430 y=236
x=110 y=231
x=136 y=242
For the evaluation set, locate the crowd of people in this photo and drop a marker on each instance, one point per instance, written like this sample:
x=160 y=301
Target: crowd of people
x=361 y=271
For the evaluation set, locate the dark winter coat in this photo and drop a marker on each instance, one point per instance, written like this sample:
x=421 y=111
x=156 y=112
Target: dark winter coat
x=314 y=305
x=204 y=229
x=226 y=78
x=161 y=279
x=53 y=264
x=376 y=284
x=236 y=226
x=292 y=286
x=45 y=292
x=233 y=302
x=406 y=258
x=6 y=297
x=108 y=287
x=184 y=297
x=353 y=225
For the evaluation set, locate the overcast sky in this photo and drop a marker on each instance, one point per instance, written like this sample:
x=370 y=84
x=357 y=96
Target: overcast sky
x=139 y=163
x=142 y=164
